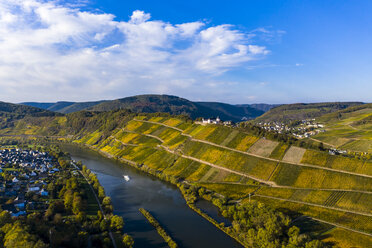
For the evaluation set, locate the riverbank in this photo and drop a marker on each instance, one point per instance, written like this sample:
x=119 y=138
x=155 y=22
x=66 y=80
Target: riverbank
x=174 y=181
x=158 y=196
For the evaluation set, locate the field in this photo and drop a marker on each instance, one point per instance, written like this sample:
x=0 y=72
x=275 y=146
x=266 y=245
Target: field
x=353 y=201
x=349 y=220
x=242 y=142
x=254 y=166
x=305 y=177
x=294 y=154
x=263 y=147
x=279 y=151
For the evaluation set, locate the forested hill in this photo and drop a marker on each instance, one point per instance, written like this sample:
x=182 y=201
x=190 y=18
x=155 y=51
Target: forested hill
x=159 y=103
x=301 y=111
x=10 y=109
x=260 y=106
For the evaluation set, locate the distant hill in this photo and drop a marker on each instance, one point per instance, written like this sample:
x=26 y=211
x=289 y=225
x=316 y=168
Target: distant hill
x=299 y=111
x=7 y=109
x=159 y=103
x=260 y=106
x=63 y=107
x=226 y=111
x=179 y=106
x=9 y=113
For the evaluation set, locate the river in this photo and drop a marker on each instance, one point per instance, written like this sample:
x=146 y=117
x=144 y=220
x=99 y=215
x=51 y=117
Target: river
x=162 y=200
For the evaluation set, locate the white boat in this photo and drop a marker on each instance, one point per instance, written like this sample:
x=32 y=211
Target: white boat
x=126 y=177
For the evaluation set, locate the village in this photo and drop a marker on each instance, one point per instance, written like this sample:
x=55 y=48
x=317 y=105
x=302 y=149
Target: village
x=25 y=175
x=300 y=129
x=214 y=121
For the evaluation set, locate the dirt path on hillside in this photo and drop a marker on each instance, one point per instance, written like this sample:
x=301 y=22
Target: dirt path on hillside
x=219 y=167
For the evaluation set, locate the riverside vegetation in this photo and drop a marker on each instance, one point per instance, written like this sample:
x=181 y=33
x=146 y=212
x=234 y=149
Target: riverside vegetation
x=159 y=228
x=264 y=183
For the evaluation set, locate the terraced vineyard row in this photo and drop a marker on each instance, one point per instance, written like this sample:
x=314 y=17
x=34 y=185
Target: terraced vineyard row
x=353 y=201
x=334 y=198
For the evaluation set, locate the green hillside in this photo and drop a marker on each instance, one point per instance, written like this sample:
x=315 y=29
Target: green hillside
x=333 y=190
x=9 y=113
x=179 y=106
x=349 y=129
x=300 y=111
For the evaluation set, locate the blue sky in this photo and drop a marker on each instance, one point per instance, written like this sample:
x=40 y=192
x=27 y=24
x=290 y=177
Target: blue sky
x=230 y=51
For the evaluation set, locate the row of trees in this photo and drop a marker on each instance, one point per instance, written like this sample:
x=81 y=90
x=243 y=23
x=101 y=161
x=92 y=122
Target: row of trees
x=108 y=221
x=171 y=243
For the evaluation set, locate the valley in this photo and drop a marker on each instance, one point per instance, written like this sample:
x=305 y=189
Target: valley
x=335 y=191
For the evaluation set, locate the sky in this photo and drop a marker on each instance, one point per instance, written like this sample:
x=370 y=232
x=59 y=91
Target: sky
x=237 y=51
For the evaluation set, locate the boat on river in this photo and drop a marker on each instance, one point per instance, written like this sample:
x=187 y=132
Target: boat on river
x=126 y=178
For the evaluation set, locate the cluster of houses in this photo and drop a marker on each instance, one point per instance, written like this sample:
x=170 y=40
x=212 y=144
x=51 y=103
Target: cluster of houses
x=305 y=129
x=334 y=151
x=24 y=173
x=214 y=121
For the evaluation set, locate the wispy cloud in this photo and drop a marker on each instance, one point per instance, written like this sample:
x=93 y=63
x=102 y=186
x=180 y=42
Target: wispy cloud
x=51 y=51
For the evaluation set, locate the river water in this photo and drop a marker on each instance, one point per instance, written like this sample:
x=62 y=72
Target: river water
x=162 y=200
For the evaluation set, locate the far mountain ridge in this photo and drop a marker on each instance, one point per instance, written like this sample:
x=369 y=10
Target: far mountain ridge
x=158 y=103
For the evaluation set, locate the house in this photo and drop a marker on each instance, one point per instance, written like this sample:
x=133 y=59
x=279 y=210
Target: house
x=211 y=121
x=43 y=192
x=18 y=214
x=33 y=189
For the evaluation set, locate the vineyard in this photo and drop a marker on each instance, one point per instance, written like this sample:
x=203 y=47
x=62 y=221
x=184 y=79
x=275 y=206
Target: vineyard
x=233 y=163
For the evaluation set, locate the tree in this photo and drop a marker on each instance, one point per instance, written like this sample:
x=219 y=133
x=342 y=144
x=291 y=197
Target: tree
x=128 y=241
x=117 y=223
x=5 y=218
x=77 y=204
x=104 y=225
x=106 y=200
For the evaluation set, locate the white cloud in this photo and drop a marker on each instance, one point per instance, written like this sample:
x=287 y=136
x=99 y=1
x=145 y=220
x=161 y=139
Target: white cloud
x=53 y=52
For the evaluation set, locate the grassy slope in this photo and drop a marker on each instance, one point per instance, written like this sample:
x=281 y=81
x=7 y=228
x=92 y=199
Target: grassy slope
x=349 y=129
x=139 y=141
